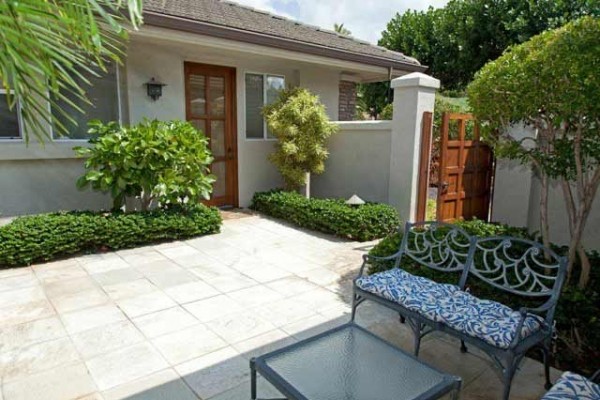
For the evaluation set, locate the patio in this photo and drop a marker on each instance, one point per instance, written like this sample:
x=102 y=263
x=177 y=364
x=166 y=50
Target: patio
x=181 y=320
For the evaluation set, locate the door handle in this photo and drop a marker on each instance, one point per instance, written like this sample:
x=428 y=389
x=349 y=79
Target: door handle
x=229 y=153
x=444 y=186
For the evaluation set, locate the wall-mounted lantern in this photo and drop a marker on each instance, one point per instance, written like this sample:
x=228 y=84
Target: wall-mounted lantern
x=154 y=89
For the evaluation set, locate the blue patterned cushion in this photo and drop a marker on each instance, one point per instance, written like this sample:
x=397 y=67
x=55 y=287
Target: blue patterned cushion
x=573 y=386
x=413 y=292
x=488 y=320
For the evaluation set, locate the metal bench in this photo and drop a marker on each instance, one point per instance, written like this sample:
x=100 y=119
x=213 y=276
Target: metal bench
x=515 y=266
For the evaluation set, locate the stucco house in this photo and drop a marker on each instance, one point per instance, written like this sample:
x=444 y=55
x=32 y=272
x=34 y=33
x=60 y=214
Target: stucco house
x=220 y=63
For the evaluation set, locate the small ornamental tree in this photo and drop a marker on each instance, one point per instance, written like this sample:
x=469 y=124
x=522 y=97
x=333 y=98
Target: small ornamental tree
x=552 y=84
x=299 y=122
x=163 y=161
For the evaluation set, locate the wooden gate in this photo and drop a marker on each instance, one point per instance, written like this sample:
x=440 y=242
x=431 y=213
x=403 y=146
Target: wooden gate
x=466 y=170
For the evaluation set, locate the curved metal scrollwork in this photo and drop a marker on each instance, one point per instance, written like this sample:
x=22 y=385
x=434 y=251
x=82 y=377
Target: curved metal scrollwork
x=516 y=265
x=439 y=246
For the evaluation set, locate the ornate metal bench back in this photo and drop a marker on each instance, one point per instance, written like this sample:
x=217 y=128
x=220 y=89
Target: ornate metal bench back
x=517 y=266
x=437 y=245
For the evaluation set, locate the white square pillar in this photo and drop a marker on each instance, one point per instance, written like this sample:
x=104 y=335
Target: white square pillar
x=414 y=94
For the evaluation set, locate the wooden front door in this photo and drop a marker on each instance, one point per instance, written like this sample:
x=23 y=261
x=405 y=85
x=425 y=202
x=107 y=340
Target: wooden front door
x=210 y=106
x=466 y=170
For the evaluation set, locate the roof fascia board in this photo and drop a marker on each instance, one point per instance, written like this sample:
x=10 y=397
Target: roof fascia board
x=203 y=28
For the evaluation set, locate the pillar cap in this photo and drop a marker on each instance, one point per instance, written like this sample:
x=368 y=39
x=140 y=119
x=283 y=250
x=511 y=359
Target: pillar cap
x=416 y=79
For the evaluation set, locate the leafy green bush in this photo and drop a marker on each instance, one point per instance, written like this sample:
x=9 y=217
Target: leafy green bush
x=366 y=222
x=45 y=237
x=299 y=122
x=166 y=161
x=577 y=315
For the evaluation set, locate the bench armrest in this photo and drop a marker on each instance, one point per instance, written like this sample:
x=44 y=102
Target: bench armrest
x=524 y=311
x=595 y=377
x=367 y=259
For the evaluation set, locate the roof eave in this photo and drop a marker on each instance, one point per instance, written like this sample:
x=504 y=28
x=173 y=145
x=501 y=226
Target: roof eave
x=208 y=29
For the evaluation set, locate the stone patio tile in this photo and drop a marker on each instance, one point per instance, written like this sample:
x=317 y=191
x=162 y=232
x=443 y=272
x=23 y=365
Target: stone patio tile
x=158 y=267
x=210 y=272
x=291 y=286
x=528 y=383
x=189 y=292
x=19 y=281
x=105 y=264
x=231 y=283
x=215 y=373
x=286 y=261
x=124 y=290
x=266 y=273
x=69 y=286
x=25 y=312
x=320 y=276
x=125 y=365
x=10 y=272
x=449 y=359
x=311 y=326
x=65 y=383
x=265 y=343
x=162 y=385
x=93 y=396
x=240 y=326
x=117 y=276
x=144 y=256
x=24 y=335
x=49 y=273
x=82 y=320
x=212 y=308
x=321 y=300
x=181 y=250
x=167 y=279
x=207 y=243
x=37 y=358
x=21 y=296
x=197 y=260
x=242 y=392
x=255 y=296
x=163 y=322
x=80 y=300
x=189 y=343
x=391 y=330
x=145 y=304
x=284 y=312
x=106 y=338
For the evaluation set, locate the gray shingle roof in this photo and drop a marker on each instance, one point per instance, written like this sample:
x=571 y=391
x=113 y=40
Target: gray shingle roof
x=225 y=15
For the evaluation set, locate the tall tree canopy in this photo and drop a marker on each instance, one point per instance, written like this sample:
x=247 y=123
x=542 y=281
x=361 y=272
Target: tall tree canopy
x=48 y=47
x=459 y=39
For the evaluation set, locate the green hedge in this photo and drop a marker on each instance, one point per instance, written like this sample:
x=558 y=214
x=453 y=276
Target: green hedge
x=367 y=222
x=577 y=315
x=48 y=236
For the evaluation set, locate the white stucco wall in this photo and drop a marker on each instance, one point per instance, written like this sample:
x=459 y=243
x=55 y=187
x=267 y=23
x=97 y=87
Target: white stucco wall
x=359 y=162
x=517 y=202
x=165 y=63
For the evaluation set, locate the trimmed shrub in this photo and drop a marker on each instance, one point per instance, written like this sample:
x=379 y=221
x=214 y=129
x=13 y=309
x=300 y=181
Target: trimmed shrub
x=367 y=222
x=48 y=236
x=577 y=347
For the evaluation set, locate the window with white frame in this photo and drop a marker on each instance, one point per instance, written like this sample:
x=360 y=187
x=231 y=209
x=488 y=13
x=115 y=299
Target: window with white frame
x=104 y=104
x=10 y=121
x=261 y=89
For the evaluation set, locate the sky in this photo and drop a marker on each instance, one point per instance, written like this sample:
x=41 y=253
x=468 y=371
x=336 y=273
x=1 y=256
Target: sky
x=364 y=18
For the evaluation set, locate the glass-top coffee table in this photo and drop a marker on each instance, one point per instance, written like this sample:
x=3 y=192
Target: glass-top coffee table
x=350 y=363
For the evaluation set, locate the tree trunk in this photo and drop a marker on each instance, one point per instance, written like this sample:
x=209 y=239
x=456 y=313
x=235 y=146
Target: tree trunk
x=544 y=223
x=306 y=187
x=586 y=267
x=145 y=201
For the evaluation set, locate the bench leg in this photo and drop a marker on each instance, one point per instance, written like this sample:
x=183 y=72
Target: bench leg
x=509 y=372
x=463 y=347
x=547 y=357
x=355 y=304
x=416 y=327
x=252 y=380
x=402 y=318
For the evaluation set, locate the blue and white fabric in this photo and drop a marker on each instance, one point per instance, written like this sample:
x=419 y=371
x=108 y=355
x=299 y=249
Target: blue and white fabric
x=416 y=293
x=573 y=386
x=488 y=320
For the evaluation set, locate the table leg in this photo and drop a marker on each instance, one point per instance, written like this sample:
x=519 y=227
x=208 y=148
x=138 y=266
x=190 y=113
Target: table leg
x=252 y=380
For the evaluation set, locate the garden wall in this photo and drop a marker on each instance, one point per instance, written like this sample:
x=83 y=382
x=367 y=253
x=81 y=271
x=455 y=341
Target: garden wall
x=517 y=202
x=359 y=162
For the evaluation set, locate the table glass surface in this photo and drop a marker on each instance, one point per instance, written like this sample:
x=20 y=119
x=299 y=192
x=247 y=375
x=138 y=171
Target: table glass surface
x=353 y=364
